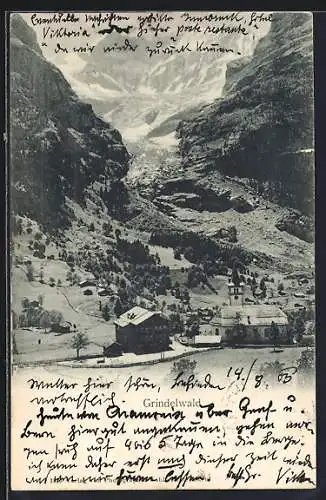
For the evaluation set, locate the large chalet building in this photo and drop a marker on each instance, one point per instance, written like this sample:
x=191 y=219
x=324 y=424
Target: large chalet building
x=139 y=330
x=256 y=320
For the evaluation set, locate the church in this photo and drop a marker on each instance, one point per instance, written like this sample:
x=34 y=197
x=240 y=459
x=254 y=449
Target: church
x=255 y=321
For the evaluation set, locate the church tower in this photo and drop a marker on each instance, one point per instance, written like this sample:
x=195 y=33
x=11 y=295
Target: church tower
x=236 y=294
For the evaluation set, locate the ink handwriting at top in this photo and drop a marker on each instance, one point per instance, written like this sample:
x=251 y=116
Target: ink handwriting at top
x=114 y=27
x=256 y=18
x=154 y=22
x=168 y=50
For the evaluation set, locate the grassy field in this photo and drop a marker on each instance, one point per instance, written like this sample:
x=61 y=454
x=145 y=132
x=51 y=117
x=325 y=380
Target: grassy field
x=81 y=310
x=167 y=258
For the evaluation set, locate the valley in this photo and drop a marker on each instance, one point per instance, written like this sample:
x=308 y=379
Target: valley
x=157 y=191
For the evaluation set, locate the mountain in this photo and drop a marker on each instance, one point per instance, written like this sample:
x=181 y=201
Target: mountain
x=134 y=88
x=59 y=147
x=69 y=167
x=262 y=127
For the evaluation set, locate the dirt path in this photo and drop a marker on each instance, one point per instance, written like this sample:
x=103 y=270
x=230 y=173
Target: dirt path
x=78 y=311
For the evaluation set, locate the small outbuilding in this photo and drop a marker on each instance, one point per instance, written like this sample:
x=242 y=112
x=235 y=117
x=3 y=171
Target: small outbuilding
x=204 y=341
x=104 y=292
x=63 y=327
x=112 y=350
x=87 y=282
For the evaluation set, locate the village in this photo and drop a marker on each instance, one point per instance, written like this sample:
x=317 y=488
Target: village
x=86 y=322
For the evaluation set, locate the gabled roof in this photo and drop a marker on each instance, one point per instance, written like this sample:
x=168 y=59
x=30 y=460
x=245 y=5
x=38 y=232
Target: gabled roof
x=260 y=314
x=135 y=316
x=257 y=310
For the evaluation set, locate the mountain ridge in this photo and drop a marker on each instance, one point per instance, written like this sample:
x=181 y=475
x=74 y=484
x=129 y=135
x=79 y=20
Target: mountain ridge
x=58 y=145
x=262 y=127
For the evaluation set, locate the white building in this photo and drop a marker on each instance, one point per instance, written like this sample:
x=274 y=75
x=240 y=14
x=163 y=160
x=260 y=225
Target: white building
x=256 y=320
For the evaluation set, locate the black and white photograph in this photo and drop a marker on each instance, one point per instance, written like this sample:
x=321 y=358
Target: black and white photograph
x=161 y=169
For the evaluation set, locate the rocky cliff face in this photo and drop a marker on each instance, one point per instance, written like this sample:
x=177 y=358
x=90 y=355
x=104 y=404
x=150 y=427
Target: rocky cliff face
x=58 y=145
x=262 y=127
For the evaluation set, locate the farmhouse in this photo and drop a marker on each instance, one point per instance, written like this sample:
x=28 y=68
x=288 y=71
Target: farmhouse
x=139 y=330
x=112 y=350
x=87 y=282
x=255 y=320
x=63 y=327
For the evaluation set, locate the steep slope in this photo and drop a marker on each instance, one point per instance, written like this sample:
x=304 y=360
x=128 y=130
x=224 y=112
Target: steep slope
x=58 y=145
x=262 y=127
